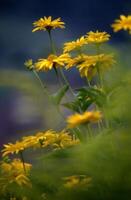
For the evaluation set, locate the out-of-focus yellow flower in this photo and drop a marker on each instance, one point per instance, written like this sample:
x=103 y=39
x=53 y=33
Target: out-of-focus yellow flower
x=11 y=148
x=15 y=165
x=77 y=181
x=41 y=139
x=88 y=68
x=29 y=64
x=51 y=62
x=50 y=138
x=71 y=62
x=106 y=61
x=97 y=37
x=18 y=166
x=74 y=45
x=47 y=23
x=13 y=172
x=21 y=180
x=63 y=140
x=123 y=23
x=85 y=118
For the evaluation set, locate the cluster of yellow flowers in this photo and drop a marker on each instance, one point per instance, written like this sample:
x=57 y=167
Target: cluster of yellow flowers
x=50 y=138
x=17 y=171
x=13 y=172
x=86 y=64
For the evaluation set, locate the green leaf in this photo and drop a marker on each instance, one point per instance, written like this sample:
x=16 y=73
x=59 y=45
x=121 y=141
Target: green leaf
x=57 y=97
x=94 y=95
x=72 y=106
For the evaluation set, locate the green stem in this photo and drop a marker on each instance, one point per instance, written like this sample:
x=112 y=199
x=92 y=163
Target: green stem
x=41 y=83
x=88 y=82
x=89 y=130
x=22 y=159
x=99 y=76
x=51 y=42
x=67 y=82
x=98 y=66
x=53 y=49
x=54 y=52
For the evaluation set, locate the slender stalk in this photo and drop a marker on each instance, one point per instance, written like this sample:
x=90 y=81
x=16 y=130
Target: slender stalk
x=67 y=82
x=89 y=130
x=98 y=67
x=38 y=78
x=60 y=70
x=51 y=42
x=101 y=84
x=22 y=159
x=88 y=82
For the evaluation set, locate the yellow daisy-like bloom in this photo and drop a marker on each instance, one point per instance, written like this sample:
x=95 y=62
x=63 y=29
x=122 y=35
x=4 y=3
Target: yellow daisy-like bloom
x=97 y=37
x=74 y=45
x=15 y=165
x=50 y=138
x=11 y=148
x=123 y=23
x=51 y=61
x=13 y=172
x=106 y=61
x=87 y=117
x=77 y=181
x=47 y=23
x=41 y=139
x=71 y=62
x=88 y=68
x=63 y=140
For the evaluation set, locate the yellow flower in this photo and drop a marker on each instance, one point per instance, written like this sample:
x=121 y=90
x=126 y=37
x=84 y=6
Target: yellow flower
x=89 y=67
x=47 y=23
x=41 y=139
x=11 y=148
x=15 y=165
x=51 y=62
x=21 y=180
x=29 y=64
x=76 y=61
x=74 y=45
x=87 y=117
x=18 y=166
x=106 y=61
x=123 y=23
x=63 y=140
x=50 y=138
x=97 y=37
x=77 y=181
x=13 y=172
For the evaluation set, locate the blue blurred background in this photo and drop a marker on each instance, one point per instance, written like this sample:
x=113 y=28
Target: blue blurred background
x=22 y=103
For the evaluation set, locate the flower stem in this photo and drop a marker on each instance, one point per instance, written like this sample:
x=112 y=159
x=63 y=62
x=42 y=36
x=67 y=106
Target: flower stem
x=51 y=42
x=22 y=159
x=53 y=49
x=89 y=130
x=41 y=83
x=98 y=66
